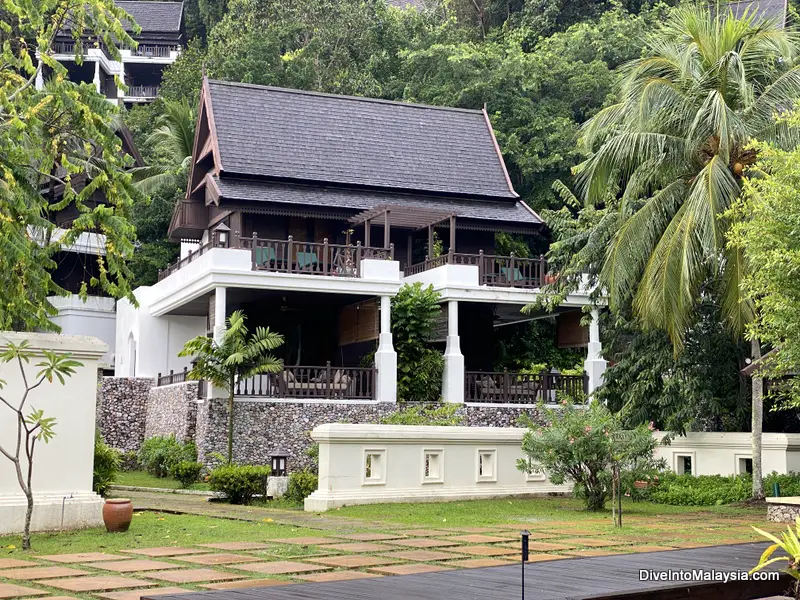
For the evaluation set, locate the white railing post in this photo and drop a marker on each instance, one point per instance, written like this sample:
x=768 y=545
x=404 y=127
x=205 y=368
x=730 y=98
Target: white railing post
x=385 y=356
x=453 y=378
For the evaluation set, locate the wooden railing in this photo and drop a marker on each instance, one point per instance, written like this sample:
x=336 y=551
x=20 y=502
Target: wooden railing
x=494 y=270
x=173 y=377
x=142 y=91
x=178 y=264
x=335 y=383
x=291 y=256
x=519 y=388
x=149 y=51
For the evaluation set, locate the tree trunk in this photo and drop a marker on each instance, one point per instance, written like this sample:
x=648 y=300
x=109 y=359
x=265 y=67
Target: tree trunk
x=757 y=423
x=230 y=424
x=26 y=532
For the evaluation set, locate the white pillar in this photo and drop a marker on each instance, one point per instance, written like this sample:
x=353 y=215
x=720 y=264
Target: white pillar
x=96 y=79
x=453 y=379
x=386 y=357
x=220 y=312
x=595 y=365
x=120 y=93
x=40 y=76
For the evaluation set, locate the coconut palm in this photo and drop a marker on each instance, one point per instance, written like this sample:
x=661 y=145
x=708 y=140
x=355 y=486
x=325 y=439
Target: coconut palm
x=174 y=140
x=236 y=356
x=678 y=144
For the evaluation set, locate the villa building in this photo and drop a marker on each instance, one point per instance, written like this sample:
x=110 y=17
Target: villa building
x=139 y=69
x=309 y=211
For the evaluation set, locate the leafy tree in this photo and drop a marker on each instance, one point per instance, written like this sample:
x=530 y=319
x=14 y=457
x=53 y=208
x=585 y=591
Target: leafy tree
x=34 y=426
x=675 y=145
x=419 y=367
x=238 y=355
x=183 y=78
x=62 y=136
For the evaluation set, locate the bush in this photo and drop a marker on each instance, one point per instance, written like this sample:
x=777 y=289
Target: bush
x=301 y=485
x=422 y=414
x=240 y=483
x=106 y=465
x=710 y=490
x=130 y=461
x=582 y=444
x=159 y=454
x=186 y=471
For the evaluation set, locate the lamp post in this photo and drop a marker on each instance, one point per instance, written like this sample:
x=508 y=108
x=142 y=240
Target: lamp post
x=222 y=232
x=525 y=534
x=278 y=462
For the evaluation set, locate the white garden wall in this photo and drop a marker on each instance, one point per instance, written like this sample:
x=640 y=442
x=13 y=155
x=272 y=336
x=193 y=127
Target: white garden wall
x=62 y=477
x=368 y=464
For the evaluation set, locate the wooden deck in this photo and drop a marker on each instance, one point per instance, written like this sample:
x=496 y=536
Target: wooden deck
x=597 y=578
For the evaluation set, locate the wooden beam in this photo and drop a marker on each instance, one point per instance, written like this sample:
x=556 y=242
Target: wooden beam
x=452 y=233
x=386 y=229
x=430 y=241
x=367 y=227
x=408 y=250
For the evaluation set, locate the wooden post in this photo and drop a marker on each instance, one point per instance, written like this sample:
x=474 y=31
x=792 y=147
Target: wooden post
x=290 y=258
x=430 y=242
x=505 y=384
x=391 y=251
x=328 y=379
x=452 y=234
x=325 y=256
x=386 y=229
x=367 y=228
x=512 y=274
x=409 y=256
x=358 y=258
x=481 y=268
x=254 y=251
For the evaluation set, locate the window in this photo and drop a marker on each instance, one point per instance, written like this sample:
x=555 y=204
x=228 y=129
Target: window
x=684 y=464
x=432 y=465
x=374 y=467
x=744 y=464
x=534 y=472
x=487 y=465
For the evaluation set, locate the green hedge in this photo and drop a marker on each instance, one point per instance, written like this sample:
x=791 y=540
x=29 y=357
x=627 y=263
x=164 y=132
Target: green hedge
x=240 y=483
x=301 y=485
x=158 y=455
x=709 y=490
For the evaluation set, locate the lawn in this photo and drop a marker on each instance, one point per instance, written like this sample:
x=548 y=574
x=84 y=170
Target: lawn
x=144 y=479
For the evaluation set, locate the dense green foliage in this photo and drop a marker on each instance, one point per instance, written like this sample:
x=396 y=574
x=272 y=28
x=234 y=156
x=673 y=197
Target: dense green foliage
x=580 y=444
x=419 y=367
x=426 y=414
x=709 y=490
x=159 y=454
x=240 y=483
x=301 y=486
x=107 y=463
x=186 y=471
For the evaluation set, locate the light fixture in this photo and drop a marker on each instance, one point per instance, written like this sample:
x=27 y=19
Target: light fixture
x=222 y=232
x=278 y=462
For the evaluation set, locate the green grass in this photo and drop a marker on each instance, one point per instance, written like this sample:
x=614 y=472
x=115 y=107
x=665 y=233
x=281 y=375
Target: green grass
x=151 y=529
x=144 y=479
x=479 y=513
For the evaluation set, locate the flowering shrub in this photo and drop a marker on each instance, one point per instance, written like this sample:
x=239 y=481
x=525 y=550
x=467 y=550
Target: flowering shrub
x=581 y=444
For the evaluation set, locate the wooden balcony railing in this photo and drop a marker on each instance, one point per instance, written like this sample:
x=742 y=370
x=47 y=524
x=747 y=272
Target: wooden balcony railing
x=142 y=91
x=291 y=256
x=151 y=51
x=173 y=377
x=332 y=383
x=519 y=388
x=494 y=270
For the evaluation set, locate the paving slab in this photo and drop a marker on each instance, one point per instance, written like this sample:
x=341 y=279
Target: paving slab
x=132 y=565
x=82 y=557
x=31 y=573
x=192 y=575
x=102 y=583
x=236 y=546
x=352 y=562
x=421 y=555
x=648 y=548
x=358 y=547
x=371 y=537
x=62 y=598
x=137 y=594
x=470 y=529
x=307 y=541
x=164 y=551
x=279 y=567
x=244 y=584
x=409 y=569
x=9 y=590
x=478 y=538
x=544 y=557
x=548 y=546
x=221 y=558
x=422 y=543
x=592 y=552
x=13 y=563
x=591 y=542
x=474 y=563
x=337 y=576
x=426 y=532
x=485 y=550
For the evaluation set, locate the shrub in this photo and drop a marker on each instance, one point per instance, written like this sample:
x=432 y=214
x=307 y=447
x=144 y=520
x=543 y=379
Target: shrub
x=422 y=414
x=130 y=461
x=301 y=485
x=710 y=490
x=186 y=471
x=240 y=483
x=106 y=465
x=582 y=444
x=159 y=454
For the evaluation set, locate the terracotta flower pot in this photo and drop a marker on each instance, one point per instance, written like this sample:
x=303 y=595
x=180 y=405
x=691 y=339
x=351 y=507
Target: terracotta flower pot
x=117 y=514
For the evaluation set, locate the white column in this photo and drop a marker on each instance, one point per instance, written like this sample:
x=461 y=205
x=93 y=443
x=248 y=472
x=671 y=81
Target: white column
x=40 y=76
x=96 y=79
x=595 y=365
x=453 y=379
x=220 y=312
x=120 y=93
x=386 y=357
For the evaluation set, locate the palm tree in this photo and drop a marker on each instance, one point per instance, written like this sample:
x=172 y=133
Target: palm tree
x=174 y=139
x=677 y=145
x=235 y=357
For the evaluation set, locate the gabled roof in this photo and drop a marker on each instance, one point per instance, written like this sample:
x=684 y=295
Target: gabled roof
x=292 y=135
x=155 y=17
x=769 y=10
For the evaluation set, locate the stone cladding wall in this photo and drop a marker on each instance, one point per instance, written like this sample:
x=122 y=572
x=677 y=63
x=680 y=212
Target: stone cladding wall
x=122 y=412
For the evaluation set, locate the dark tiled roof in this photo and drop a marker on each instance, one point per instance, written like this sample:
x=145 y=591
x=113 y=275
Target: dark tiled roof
x=773 y=10
x=155 y=17
x=306 y=136
x=357 y=200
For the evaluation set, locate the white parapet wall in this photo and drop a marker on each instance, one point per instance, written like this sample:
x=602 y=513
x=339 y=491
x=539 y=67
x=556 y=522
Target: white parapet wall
x=62 y=474
x=369 y=464
x=711 y=453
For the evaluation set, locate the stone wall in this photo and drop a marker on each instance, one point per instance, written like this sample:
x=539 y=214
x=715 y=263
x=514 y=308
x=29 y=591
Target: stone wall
x=782 y=513
x=172 y=409
x=261 y=427
x=123 y=410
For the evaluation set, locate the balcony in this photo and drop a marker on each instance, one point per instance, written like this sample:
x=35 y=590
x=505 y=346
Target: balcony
x=152 y=51
x=314 y=383
x=521 y=388
x=142 y=91
x=493 y=270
